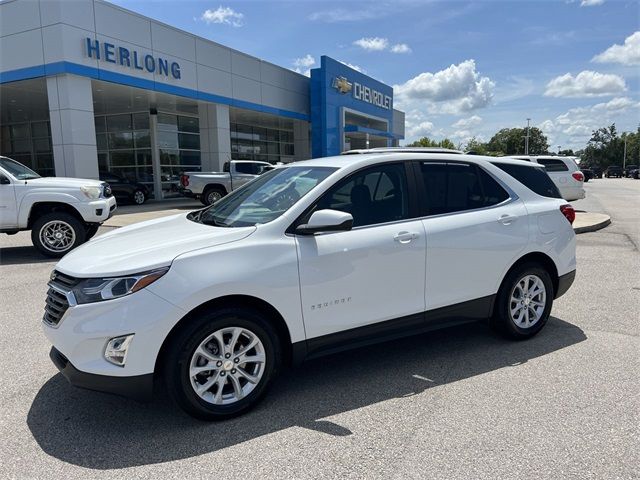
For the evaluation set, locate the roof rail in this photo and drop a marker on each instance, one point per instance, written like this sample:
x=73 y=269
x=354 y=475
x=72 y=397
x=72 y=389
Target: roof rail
x=402 y=150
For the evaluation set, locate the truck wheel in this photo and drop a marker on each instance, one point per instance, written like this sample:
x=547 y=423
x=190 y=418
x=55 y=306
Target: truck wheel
x=211 y=195
x=524 y=302
x=222 y=363
x=91 y=230
x=56 y=233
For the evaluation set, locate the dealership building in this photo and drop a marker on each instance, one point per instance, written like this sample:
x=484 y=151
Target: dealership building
x=87 y=87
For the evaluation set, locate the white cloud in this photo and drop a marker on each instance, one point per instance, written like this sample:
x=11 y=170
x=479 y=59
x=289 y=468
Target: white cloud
x=401 y=48
x=458 y=88
x=372 y=44
x=576 y=124
x=465 y=123
x=422 y=129
x=627 y=54
x=591 y=3
x=586 y=84
x=222 y=14
x=303 y=64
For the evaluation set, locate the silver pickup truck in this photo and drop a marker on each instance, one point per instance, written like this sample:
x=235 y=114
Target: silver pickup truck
x=209 y=187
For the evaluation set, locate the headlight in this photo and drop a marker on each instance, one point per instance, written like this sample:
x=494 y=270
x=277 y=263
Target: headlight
x=91 y=192
x=99 y=289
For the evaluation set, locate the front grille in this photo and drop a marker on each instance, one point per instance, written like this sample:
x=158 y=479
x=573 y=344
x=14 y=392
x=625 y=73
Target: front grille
x=57 y=303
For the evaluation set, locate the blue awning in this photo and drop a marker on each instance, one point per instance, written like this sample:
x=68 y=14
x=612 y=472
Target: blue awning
x=371 y=131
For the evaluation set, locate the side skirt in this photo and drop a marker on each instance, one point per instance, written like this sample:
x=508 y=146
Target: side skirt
x=438 y=318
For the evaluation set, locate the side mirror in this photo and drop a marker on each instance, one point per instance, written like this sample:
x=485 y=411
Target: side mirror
x=4 y=180
x=326 y=221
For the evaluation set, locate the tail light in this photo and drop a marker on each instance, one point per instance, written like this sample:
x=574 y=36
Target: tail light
x=579 y=176
x=184 y=180
x=569 y=213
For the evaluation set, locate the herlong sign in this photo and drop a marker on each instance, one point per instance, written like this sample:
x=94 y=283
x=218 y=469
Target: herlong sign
x=111 y=53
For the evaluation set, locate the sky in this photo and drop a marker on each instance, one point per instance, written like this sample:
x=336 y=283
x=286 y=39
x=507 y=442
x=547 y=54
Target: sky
x=458 y=69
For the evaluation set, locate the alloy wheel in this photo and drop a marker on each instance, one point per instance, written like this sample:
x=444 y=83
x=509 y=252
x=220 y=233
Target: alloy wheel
x=213 y=197
x=57 y=236
x=528 y=301
x=227 y=366
x=138 y=197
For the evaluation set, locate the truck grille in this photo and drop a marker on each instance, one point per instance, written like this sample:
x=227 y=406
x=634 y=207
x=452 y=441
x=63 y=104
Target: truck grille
x=57 y=302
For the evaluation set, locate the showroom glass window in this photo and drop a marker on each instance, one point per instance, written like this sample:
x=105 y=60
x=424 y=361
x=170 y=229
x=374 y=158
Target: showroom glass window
x=262 y=137
x=30 y=144
x=124 y=146
x=375 y=195
x=179 y=145
x=456 y=187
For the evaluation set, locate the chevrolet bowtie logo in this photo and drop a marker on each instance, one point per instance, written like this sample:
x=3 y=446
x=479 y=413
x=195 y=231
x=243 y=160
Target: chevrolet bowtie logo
x=342 y=84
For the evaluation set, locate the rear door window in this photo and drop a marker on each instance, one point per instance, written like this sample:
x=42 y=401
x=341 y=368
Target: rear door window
x=456 y=187
x=534 y=178
x=553 y=165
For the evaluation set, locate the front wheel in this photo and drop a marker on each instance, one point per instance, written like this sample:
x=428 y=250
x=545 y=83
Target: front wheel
x=524 y=302
x=222 y=363
x=56 y=233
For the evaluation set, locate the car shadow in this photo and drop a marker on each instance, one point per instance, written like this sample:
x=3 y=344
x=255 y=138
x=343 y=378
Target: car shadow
x=22 y=255
x=101 y=431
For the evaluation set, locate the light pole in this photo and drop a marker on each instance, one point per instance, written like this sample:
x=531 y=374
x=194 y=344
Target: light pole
x=624 y=156
x=526 y=139
x=559 y=147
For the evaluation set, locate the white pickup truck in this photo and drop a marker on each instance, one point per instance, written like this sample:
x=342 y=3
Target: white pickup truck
x=209 y=187
x=61 y=213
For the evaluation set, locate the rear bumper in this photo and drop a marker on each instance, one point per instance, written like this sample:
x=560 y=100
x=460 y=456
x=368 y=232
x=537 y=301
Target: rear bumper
x=185 y=192
x=564 y=283
x=139 y=387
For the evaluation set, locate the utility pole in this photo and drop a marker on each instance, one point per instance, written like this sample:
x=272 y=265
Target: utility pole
x=624 y=156
x=526 y=139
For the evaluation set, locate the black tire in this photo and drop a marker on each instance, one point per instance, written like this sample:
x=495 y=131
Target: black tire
x=90 y=231
x=502 y=321
x=68 y=222
x=182 y=348
x=138 y=197
x=212 y=195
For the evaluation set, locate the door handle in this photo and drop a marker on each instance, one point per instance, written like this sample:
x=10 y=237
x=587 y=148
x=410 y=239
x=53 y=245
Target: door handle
x=405 y=237
x=507 y=219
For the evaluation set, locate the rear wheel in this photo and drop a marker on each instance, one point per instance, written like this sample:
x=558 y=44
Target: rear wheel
x=211 y=195
x=222 y=364
x=56 y=233
x=139 y=197
x=524 y=302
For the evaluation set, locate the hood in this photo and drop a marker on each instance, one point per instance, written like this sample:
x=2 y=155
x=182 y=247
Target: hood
x=63 y=182
x=144 y=246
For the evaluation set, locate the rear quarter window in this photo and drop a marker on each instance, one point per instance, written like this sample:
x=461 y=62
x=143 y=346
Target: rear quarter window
x=534 y=178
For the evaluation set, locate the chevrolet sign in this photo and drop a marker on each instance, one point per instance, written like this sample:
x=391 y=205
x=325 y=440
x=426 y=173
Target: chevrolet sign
x=362 y=93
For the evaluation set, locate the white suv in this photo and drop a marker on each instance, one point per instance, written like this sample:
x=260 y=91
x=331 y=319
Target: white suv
x=564 y=172
x=306 y=260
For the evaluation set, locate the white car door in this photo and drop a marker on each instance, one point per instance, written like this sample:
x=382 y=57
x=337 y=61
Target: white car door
x=8 y=207
x=372 y=273
x=476 y=228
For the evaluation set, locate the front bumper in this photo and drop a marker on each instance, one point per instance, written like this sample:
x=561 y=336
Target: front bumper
x=564 y=283
x=97 y=211
x=139 y=387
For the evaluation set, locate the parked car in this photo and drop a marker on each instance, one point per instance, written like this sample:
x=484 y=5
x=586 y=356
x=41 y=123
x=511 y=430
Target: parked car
x=627 y=171
x=564 y=172
x=125 y=190
x=613 y=171
x=597 y=171
x=635 y=173
x=209 y=187
x=588 y=174
x=309 y=259
x=61 y=212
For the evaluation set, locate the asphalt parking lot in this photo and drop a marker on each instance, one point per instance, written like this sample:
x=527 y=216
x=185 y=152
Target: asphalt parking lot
x=459 y=403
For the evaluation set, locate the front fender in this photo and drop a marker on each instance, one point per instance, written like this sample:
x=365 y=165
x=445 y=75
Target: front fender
x=30 y=199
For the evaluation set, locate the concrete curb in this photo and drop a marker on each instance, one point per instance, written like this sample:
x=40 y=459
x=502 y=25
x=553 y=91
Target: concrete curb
x=590 y=222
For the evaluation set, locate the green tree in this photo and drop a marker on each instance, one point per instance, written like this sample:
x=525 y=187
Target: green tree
x=511 y=141
x=427 y=142
x=607 y=148
x=476 y=146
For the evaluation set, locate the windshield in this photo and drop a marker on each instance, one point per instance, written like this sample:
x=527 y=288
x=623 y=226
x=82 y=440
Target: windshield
x=16 y=169
x=264 y=199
